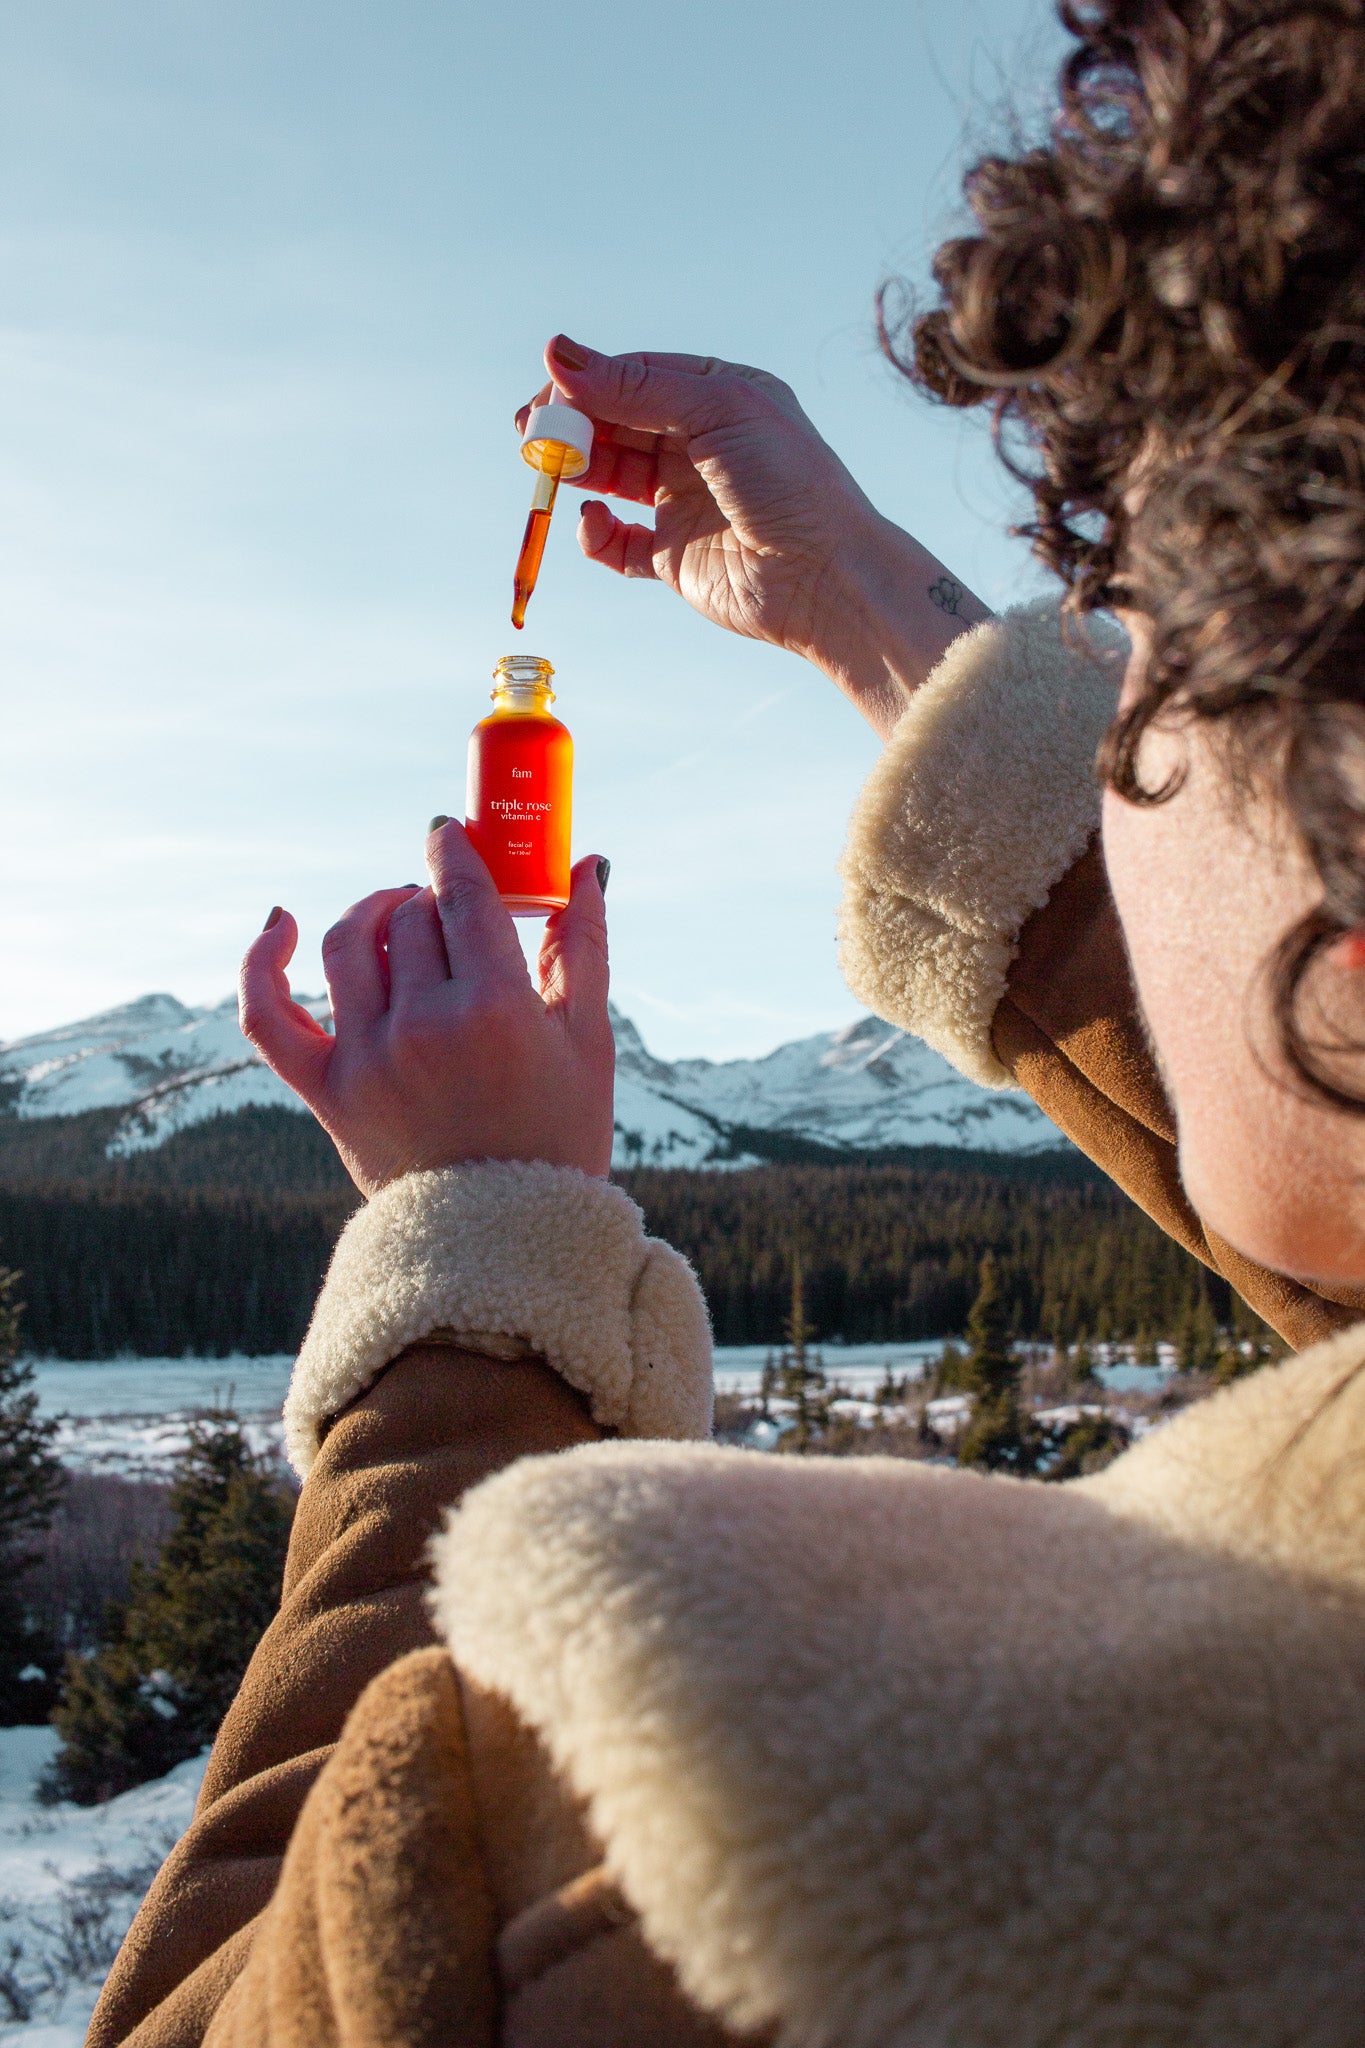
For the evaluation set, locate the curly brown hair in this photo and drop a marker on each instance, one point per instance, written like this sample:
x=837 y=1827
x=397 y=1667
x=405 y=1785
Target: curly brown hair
x=1164 y=307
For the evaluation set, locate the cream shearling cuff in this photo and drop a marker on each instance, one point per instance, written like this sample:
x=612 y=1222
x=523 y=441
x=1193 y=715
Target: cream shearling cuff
x=541 y=1253
x=984 y=797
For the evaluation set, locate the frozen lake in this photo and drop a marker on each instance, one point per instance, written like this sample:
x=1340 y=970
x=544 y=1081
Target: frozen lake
x=254 y=1386
x=160 y=1386
x=129 y=1415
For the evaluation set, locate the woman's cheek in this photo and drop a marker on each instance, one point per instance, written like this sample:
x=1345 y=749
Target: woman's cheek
x=1155 y=882
x=1185 y=951
x=1203 y=900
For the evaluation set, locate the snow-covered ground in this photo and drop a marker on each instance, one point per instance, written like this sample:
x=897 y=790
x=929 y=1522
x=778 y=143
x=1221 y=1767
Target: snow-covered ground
x=71 y=1878
x=860 y=1367
x=130 y=1416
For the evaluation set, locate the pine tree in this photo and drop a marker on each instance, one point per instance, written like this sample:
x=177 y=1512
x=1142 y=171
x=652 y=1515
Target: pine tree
x=800 y=1370
x=990 y=1370
x=31 y=1482
x=1199 y=1340
x=1234 y=1363
x=996 y=1436
x=891 y=1392
x=1088 y=1446
x=1083 y=1367
x=156 y=1691
x=947 y=1375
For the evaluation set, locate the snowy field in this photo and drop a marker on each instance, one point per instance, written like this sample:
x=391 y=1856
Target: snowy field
x=129 y=1416
x=71 y=1878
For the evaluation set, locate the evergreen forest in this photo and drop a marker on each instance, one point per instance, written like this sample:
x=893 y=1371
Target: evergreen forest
x=218 y=1240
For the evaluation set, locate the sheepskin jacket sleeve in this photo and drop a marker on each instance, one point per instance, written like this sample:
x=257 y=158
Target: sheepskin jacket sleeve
x=977 y=915
x=469 y=1318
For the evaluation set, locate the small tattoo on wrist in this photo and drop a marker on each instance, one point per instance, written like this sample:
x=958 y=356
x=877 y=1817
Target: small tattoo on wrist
x=948 y=596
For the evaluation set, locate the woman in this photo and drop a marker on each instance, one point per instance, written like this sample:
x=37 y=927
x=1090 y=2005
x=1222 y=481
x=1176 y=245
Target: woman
x=711 y=1747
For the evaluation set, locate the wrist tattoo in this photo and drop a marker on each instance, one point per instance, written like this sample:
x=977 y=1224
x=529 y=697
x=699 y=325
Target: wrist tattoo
x=947 y=595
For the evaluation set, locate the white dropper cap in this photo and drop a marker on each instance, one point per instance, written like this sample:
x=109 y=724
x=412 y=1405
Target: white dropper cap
x=558 y=421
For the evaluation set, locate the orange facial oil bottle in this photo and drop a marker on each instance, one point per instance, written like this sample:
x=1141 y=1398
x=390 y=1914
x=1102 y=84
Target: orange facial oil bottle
x=558 y=445
x=519 y=798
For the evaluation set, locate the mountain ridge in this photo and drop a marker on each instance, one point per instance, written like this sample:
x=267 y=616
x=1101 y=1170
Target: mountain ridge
x=166 y=1066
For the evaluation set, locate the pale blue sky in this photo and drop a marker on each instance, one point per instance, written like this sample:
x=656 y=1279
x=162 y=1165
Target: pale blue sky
x=274 y=277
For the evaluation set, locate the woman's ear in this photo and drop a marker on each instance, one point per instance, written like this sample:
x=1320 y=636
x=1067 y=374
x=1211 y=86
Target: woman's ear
x=1349 y=949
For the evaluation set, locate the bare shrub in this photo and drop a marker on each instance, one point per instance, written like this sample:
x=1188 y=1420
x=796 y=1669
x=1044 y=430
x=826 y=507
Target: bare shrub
x=85 y=1558
x=72 y=1938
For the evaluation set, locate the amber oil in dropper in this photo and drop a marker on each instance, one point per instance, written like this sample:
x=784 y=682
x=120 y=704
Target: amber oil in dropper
x=534 y=538
x=558 y=445
x=519 y=797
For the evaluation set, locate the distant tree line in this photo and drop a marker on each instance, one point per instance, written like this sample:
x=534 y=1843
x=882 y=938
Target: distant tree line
x=160 y=1272
x=269 y=1151
x=888 y=1253
x=892 y=1252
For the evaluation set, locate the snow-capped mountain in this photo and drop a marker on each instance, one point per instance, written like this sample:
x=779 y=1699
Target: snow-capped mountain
x=167 y=1064
x=860 y=1089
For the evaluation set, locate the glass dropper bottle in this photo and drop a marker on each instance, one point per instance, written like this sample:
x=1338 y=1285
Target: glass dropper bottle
x=519 y=796
x=558 y=445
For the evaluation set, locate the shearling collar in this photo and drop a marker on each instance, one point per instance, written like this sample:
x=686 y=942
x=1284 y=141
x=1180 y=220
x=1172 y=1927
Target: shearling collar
x=893 y=1757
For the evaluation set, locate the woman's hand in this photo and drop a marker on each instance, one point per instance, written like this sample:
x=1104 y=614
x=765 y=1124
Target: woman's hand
x=757 y=523
x=443 y=1051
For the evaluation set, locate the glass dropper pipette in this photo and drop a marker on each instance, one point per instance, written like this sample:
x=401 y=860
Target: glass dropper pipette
x=558 y=445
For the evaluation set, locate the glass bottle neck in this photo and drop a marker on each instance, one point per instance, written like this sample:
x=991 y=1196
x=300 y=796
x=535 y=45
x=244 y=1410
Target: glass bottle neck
x=521 y=682
x=523 y=697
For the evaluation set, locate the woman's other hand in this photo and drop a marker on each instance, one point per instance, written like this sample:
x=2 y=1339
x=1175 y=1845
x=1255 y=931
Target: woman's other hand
x=757 y=523
x=443 y=1051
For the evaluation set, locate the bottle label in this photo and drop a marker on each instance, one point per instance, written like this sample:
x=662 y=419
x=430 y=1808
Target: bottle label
x=518 y=806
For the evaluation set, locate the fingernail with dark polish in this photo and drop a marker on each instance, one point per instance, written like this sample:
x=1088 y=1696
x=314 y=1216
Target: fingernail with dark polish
x=572 y=354
x=587 y=502
x=437 y=823
x=276 y=914
x=603 y=875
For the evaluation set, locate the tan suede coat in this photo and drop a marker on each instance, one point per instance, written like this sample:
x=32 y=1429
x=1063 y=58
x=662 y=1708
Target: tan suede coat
x=696 y=1747
x=439 y=1885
